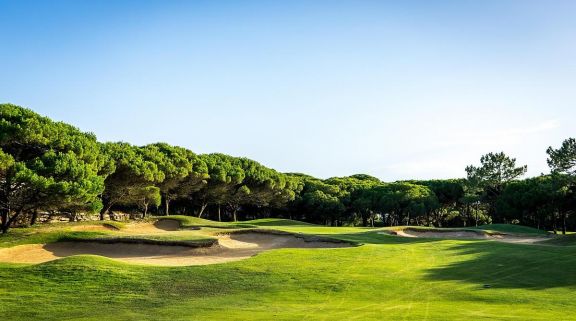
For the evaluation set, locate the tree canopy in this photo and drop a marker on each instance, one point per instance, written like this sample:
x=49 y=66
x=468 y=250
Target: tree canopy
x=54 y=167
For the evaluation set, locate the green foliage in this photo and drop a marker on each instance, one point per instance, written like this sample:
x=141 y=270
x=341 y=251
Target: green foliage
x=53 y=167
x=143 y=197
x=184 y=172
x=133 y=171
x=44 y=164
x=563 y=159
x=496 y=170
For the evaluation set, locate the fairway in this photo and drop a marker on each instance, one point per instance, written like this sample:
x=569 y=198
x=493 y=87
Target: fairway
x=385 y=277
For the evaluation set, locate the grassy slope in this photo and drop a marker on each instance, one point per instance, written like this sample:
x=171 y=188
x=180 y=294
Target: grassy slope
x=59 y=232
x=562 y=240
x=388 y=278
x=510 y=228
x=277 y=222
x=192 y=221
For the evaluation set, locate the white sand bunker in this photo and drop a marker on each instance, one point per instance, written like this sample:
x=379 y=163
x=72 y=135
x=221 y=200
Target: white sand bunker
x=231 y=247
x=508 y=238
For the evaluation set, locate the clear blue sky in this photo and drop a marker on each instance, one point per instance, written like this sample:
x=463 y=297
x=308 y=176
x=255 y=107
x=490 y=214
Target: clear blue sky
x=395 y=89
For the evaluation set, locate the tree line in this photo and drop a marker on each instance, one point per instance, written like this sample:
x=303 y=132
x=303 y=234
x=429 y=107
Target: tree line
x=48 y=166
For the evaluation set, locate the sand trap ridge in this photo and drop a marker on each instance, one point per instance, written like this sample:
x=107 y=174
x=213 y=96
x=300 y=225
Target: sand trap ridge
x=231 y=247
x=508 y=238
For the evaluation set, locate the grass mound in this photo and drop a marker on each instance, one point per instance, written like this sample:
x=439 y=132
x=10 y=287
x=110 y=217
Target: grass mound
x=31 y=236
x=511 y=228
x=165 y=239
x=277 y=222
x=192 y=221
x=562 y=240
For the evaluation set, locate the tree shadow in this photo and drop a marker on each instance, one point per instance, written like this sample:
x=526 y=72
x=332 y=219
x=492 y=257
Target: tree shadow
x=492 y=264
x=488 y=263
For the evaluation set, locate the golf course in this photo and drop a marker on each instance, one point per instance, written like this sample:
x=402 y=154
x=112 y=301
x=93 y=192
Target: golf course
x=276 y=269
x=303 y=160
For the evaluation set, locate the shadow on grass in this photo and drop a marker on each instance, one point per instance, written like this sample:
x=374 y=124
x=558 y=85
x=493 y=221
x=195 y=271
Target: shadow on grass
x=501 y=265
x=485 y=262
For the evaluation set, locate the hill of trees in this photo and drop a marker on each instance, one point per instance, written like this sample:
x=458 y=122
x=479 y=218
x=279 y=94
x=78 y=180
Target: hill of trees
x=52 y=167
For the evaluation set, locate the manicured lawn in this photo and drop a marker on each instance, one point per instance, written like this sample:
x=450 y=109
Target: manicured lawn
x=388 y=278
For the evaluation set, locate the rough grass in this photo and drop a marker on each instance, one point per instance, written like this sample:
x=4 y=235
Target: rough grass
x=389 y=278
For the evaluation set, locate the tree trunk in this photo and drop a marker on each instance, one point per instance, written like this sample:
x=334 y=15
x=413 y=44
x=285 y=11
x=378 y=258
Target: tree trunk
x=202 y=208
x=476 y=216
x=104 y=210
x=4 y=221
x=7 y=220
x=145 y=210
x=564 y=223
x=167 y=205
x=34 y=217
x=219 y=216
x=364 y=219
x=234 y=215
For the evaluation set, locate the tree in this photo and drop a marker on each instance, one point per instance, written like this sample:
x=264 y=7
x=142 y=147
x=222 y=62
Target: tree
x=539 y=201
x=144 y=197
x=44 y=164
x=495 y=171
x=449 y=193
x=132 y=172
x=563 y=159
x=183 y=171
x=318 y=202
x=354 y=196
x=224 y=180
x=562 y=163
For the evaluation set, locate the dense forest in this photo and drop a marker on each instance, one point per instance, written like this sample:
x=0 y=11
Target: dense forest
x=51 y=168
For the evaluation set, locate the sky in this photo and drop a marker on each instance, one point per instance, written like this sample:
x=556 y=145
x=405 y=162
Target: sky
x=395 y=89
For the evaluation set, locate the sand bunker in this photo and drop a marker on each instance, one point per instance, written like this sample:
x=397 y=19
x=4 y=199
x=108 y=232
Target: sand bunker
x=231 y=247
x=508 y=238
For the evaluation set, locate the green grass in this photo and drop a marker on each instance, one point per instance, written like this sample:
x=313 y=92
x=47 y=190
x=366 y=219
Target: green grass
x=388 y=278
x=192 y=221
x=511 y=228
x=35 y=236
x=60 y=232
x=277 y=222
x=562 y=240
x=162 y=239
